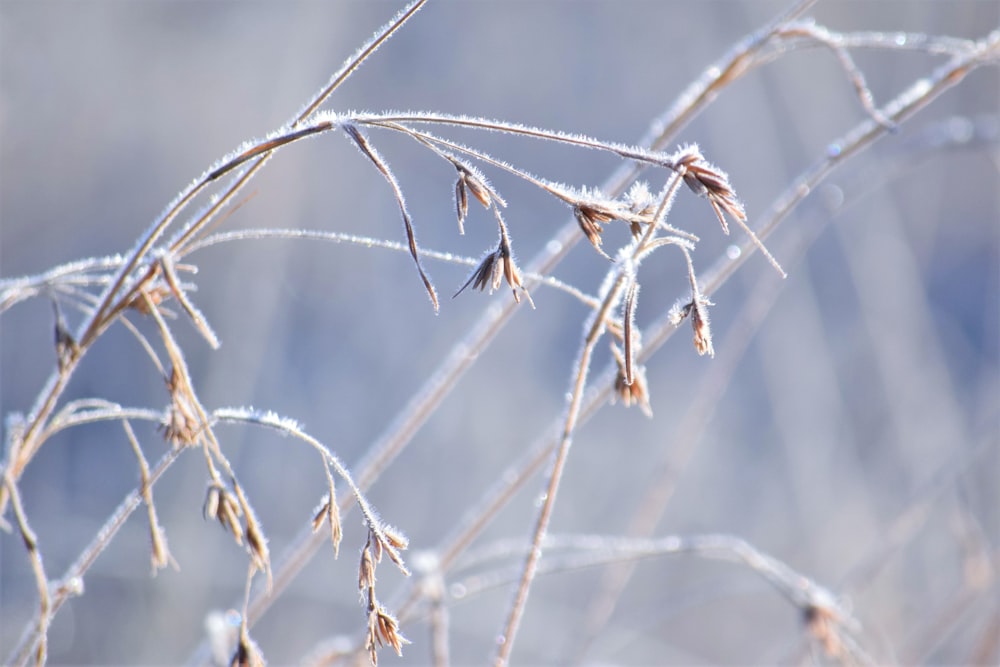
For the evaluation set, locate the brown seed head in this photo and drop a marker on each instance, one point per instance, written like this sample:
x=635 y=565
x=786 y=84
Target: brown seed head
x=66 y=345
x=383 y=630
x=702 y=330
x=478 y=188
x=495 y=267
x=679 y=311
x=320 y=516
x=388 y=631
x=706 y=180
x=392 y=551
x=329 y=513
x=257 y=545
x=591 y=218
x=248 y=654
x=366 y=571
x=510 y=271
x=487 y=274
x=395 y=537
x=821 y=626
x=179 y=427
x=159 y=554
x=224 y=508
x=461 y=201
x=469 y=180
x=151 y=296
x=636 y=392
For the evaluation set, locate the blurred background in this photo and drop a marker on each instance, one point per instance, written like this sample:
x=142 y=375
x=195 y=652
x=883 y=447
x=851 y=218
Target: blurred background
x=848 y=424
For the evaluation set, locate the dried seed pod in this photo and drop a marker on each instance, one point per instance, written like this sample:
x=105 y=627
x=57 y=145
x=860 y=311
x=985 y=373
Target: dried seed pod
x=329 y=513
x=66 y=345
x=248 y=654
x=257 y=544
x=590 y=220
x=461 y=201
x=495 y=266
x=213 y=500
x=320 y=516
x=388 y=631
x=150 y=297
x=180 y=427
x=706 y=180
x=821 y=626
x=634 y=392
x=477 y=186
x=383 y=630
x=395 y=537
x=702 y=330
x=483 y=275
x=366 y=570
x=224 y=508
x=159 y=552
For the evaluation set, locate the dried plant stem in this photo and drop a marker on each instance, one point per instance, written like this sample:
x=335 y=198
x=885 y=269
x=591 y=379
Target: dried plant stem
x=402 y=429
x=593 y=329
x=505 y=641
x=355 y=61
x=71 y=582
x=910 y=101
x=662 y=132
x=16 y=290
x=401 y=432
x=45 y=609
x=657 y=333
x=373 y=156
x=439 y=621
x=571 y=552
x=396 y=120
x=743 y=56
x=921 y=93
x=102 y=316
x=576 y=552
x=371 y=242
x=685 y=439
x=346 y=70
x=854 y=75
x=109 y=307
x=160 y=553
x=290 y=428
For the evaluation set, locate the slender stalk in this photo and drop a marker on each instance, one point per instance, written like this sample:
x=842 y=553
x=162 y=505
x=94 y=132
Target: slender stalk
x=103 y=314
x=659 y=332
x=71 y=582
x=505 y=641
x=594 y=328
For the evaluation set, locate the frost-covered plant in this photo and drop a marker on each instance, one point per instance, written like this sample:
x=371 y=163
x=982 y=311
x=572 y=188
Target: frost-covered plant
x=155 y=280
